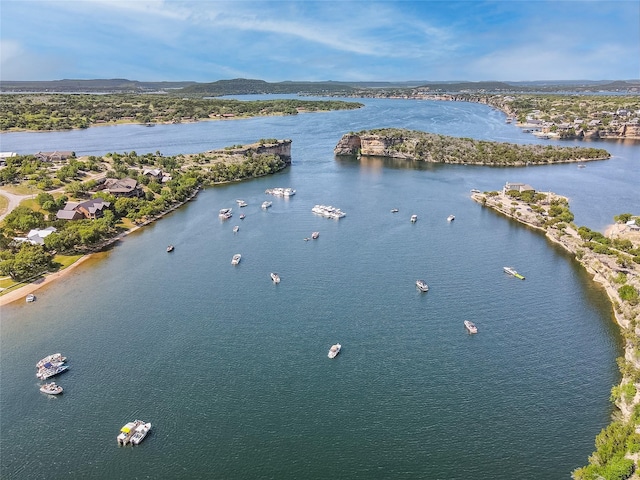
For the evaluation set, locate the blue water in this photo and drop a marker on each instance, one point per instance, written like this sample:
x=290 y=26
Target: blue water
x=232 y=370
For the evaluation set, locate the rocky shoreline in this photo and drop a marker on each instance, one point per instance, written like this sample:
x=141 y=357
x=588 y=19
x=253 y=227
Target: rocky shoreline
x=603 y=268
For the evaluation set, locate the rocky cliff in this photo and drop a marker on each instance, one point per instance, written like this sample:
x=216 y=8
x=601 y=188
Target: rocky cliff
x=371 y=145
x=280 y=148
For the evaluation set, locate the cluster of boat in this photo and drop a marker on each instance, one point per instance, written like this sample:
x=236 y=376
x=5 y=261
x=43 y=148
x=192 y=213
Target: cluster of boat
x=51 y=365
x=328 y=211
x=225 y=213
x=280 y=191
x=132 y=433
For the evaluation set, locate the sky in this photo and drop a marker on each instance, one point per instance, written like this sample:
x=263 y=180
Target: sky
x=318 y=40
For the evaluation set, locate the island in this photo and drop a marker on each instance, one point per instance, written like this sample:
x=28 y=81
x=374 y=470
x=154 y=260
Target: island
x=614 y=261
x=430 y=147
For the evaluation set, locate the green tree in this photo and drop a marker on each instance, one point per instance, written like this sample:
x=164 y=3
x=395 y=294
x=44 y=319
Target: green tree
x=23 y=219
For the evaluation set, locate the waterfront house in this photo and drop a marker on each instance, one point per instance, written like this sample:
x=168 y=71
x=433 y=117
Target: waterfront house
x=36 y=236
x=122 y=187
x=89 y=209
x=518 y=187
x=154 y=173
x=57 y=156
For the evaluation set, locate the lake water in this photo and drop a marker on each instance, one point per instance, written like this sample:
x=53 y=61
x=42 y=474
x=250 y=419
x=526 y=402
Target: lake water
x=232 y=370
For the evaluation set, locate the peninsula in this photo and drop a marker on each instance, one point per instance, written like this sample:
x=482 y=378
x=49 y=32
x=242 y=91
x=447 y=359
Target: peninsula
x=87 y=204
x=614 y=261
x=429 y=147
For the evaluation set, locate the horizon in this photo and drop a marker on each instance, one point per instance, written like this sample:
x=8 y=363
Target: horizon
x=200 y=41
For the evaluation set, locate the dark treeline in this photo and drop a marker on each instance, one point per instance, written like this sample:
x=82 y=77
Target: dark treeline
x=64 y=111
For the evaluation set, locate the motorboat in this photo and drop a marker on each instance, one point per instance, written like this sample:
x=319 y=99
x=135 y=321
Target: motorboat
x=236 y=259
x=451 y=218
x=53 y=358
x=49 y=370
x=241 y=203
x=275 y=277
x=242 y=215
x=334 y=350
x=512 y=271
x=394 y=210
x=225 y=213
x=315 y=235
x=414 y=218
x=170 y=248
x=469 y=325
x=140 y=432
x=51 y=388
x=475 y=190
x=266 y=205
x=30 y=298
x=422 y=285
x=235 y=229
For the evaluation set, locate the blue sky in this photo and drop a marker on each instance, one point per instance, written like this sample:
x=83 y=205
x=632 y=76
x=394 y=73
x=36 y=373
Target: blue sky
x=209 y=40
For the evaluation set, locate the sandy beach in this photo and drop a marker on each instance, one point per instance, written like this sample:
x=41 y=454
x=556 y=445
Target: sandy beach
x=21 y=292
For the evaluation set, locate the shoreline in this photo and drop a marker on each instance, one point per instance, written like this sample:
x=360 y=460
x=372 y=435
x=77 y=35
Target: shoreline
x=601 y=268
x=21 y=292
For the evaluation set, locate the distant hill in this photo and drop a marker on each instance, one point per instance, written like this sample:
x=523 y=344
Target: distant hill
x=115 y=85
x=243 y=86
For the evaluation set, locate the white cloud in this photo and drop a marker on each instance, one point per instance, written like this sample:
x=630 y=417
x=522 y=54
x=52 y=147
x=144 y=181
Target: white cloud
x=18 y=63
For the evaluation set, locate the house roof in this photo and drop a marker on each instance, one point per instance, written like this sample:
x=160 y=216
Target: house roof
x=68 y=214
x=120 y=185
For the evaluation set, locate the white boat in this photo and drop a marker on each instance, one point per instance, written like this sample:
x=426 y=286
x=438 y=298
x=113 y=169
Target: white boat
x=422 y=285
x=315 y=235
x=236 y=259
x=512 y=271
x=49 y=371
x=280 y=191
x=225 y=213
x=235 y=229
x=53 y=358
x=140 y=432
x=241 y=203
x=334 y=350
x=475 y=190
x=581 y=165
x=414 y=218
x=394 y=210
x=266 y=205
x=30 y=298
x=451 y=218
x=328 y=211
x=275 y=277
x=51 y=388
x=241 y=216
x=469 y=325
x=170 y=248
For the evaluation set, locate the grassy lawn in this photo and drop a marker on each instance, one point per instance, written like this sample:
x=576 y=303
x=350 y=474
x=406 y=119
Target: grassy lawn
x=4 y=204
x=126 y=224
x=65 y=260
x=22 y=189
x=6 y=282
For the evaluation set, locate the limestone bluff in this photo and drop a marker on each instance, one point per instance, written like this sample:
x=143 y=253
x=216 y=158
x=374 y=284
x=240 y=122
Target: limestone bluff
x=428 y=147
